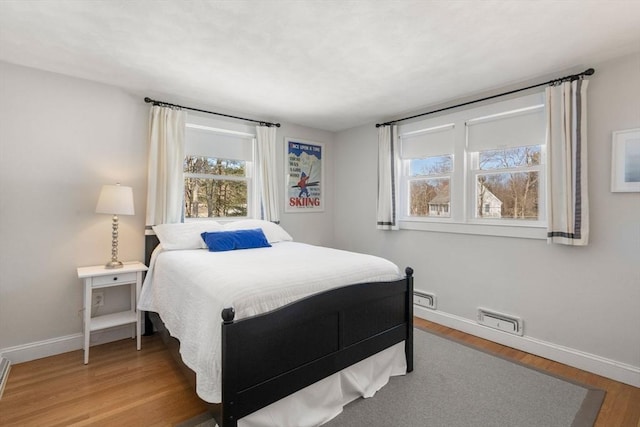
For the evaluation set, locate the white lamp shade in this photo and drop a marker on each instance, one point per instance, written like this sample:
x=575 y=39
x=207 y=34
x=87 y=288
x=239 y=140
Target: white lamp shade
x=115 y=200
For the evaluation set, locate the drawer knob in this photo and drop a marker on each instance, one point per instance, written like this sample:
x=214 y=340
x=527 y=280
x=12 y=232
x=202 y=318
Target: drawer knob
x=115 y=278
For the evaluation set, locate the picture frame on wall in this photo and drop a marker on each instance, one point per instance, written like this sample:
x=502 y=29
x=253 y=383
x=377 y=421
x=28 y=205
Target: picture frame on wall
x=625 y=161
x=304 y=180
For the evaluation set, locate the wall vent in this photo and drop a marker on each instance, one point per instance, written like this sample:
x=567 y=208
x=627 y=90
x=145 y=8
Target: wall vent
x=502 y=322
x=424 y=299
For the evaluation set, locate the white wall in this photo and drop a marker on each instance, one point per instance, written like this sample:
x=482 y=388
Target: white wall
x=61 y=139
x=573 y=300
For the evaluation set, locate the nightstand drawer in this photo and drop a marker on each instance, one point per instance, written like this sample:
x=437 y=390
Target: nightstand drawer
x=113 y=279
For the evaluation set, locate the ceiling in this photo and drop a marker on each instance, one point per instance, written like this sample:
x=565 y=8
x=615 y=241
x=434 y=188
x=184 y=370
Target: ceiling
x=324 y=64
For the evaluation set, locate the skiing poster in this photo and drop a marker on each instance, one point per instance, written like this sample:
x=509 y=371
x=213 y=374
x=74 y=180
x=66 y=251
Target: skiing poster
x=304 y=169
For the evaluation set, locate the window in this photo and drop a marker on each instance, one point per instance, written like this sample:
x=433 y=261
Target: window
x=507 y=183
x=429 y=180
x=215 y=187
x=217 y=172
x=506 y=160
x=477 y=170
x=427 y=171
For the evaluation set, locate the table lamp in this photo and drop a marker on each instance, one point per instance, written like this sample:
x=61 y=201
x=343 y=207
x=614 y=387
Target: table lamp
x=115 y=200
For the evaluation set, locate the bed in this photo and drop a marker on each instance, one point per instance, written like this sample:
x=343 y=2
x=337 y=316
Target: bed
x=301 y=319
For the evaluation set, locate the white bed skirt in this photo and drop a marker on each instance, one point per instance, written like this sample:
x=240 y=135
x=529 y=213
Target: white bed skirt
x=324 y=400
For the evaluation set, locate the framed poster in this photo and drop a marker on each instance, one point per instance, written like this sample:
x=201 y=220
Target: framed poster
x=304 y=179
x=625 y=161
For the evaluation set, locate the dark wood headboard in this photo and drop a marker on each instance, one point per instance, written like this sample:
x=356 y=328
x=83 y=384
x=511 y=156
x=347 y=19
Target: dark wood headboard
x=150 y=243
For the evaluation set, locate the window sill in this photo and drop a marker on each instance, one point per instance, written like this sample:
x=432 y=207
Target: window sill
x=522 y=232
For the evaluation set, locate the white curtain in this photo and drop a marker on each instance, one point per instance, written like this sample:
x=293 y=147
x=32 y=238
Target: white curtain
x=266 y=173
x=388 y=162
x=165 y=190
x=568 y=200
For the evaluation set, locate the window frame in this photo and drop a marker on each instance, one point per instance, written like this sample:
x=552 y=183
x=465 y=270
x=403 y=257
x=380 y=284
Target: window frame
x=225 y=130
x=475 y=171
x=462 y=192
x=407 y=179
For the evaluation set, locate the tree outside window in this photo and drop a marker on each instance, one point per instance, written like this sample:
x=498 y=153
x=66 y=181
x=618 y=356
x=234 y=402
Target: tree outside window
x=215 y=187
x=513 y=190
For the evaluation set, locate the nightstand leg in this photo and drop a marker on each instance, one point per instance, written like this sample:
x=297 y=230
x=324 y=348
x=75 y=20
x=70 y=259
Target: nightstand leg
x=138 y=330
x=86 y=348
x=132 y=299
x=135 y=298
x=87 y=318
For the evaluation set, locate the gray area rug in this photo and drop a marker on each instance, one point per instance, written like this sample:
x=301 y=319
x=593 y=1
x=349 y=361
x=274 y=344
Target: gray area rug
x=454 y=385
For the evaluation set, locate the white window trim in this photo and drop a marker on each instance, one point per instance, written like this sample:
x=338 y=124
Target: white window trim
x=461 y=201
x=442 y=226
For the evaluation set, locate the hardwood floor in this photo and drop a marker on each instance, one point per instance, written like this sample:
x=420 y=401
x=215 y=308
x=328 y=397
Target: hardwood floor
x=121 y=386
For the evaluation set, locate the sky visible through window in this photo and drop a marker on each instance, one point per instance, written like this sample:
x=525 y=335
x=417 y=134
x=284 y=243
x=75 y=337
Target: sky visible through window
x=431 y=165
x=510 y=157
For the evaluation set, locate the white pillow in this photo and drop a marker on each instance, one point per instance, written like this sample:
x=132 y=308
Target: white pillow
x=185 y=235
x=273 y=232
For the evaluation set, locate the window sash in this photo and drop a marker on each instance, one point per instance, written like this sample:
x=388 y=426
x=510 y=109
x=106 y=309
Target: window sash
x=506 y=220
x=211 y=138
x=245 y=204
x=406 y=183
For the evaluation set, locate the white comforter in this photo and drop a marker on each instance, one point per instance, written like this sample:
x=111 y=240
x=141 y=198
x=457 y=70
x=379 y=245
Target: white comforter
x=189 y=289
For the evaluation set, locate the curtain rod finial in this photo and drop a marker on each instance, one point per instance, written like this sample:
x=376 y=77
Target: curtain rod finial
x=589 y=72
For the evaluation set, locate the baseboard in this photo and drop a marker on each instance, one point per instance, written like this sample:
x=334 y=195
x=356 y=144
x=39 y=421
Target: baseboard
x=612 y=369
x=51 y=347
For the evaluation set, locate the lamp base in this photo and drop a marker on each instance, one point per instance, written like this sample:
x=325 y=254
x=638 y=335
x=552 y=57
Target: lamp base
x=113 y=264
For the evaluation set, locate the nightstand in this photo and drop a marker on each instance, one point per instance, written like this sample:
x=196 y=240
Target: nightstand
x=98 y=277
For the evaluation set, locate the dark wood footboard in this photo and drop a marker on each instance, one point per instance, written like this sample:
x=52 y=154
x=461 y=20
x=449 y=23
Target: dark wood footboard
x=270 y=356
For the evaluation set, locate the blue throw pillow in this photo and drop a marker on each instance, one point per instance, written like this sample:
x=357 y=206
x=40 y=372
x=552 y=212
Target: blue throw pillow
x=218 y=241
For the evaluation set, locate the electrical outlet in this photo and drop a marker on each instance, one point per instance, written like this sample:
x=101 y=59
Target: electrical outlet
x=98 y=299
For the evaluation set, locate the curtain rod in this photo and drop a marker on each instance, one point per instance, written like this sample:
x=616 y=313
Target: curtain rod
x=166 y=104
x=587 y=72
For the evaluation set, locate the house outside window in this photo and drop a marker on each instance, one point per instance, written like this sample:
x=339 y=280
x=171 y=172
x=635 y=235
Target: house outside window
x=218 y=172
x=439 y=205
x=477 y=171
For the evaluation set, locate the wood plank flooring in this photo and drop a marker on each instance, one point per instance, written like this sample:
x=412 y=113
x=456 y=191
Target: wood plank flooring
x=119 y=387
x=124 y=387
